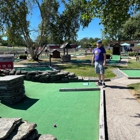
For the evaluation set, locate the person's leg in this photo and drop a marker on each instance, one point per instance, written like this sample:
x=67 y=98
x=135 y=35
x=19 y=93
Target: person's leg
x=99 y=76
x=102 y=77
x=97 y=71
x=102 y=71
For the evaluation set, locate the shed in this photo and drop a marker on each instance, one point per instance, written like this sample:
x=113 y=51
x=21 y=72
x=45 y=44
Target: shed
x=117 y=49
x=55 y=54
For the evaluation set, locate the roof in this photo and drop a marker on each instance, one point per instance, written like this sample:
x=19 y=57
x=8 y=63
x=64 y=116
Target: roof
x=65 y=45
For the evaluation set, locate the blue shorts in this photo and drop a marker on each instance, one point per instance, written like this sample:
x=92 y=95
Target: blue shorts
x=99 y=68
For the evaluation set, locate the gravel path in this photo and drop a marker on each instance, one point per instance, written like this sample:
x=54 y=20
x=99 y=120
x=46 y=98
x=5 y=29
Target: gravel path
x=123 y=110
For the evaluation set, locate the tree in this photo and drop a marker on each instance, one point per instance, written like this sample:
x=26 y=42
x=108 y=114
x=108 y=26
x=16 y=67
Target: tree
x=131 y=29
x=113 y=14
x=67 y=23
x=57 y=27
x=13 y=14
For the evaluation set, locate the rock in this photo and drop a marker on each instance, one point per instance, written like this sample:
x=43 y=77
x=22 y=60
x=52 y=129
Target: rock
x=24 y=72
x=32 y=73
x=23 y=131
x=18 y=72
x=71 y=74
x=47 y=137
x=45 y=77
x=65 y=72
x=33 y=135
x=12 y=72
x=80 y=78
x=73 y=78
x=7 y=125
x=12 y=89
x=17 y=129
x=6 y=72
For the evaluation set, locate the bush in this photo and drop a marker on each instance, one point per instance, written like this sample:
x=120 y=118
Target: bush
x=23 y=56
x=131 y=53
x=108 y=51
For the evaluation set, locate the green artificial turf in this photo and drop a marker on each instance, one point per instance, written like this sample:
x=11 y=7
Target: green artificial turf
x=131 y=72
x=76 y=114
x=115 y=60
x=115 y=57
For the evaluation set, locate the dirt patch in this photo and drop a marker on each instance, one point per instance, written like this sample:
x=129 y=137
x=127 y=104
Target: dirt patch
x=136 y=94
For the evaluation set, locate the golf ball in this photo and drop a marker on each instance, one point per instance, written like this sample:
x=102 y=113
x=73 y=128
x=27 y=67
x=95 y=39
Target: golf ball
x=54 y=125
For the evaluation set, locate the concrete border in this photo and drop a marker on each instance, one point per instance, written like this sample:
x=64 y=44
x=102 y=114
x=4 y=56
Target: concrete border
x=102 y=134
x=123 y=73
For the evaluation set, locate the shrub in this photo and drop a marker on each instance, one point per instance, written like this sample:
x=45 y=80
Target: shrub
x=23 y=56
x=131 y=53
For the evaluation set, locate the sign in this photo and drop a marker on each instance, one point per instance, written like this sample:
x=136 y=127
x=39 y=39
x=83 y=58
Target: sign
x=6 y=65
x=6 y=61
x=7 y=58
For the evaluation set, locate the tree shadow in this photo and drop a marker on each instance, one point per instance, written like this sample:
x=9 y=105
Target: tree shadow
x=136 y=116
x=130 y=98
x=119 y=87
x=138 y=125
x=24 y=104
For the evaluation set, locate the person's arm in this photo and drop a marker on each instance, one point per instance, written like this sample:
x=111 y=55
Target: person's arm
x=104 y=63
x=92 y=60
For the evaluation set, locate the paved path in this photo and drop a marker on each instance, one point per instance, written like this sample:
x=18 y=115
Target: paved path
x=123 y=110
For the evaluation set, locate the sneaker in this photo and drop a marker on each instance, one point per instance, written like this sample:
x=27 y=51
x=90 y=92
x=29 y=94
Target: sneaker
x=99 y=83
x=103 y=84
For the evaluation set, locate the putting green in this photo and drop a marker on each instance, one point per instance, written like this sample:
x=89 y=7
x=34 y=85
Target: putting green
x=115 y=57
x=115 y=60
x=131 y=72
x=76 y=114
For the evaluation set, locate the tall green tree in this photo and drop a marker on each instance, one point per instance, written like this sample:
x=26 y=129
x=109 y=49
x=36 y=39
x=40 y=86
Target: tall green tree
x=131 y=29
x=67 y=23
x=113 y=14
x=58 y=27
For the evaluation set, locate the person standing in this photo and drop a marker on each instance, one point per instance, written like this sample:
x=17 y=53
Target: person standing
x=99 y=57
x=26 y=51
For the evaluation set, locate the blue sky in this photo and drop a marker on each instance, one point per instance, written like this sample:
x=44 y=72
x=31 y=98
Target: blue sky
x=93 y=30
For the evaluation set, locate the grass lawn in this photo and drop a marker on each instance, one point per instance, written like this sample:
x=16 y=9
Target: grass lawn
x=133 y=64
x=135 y=90
x=85 y=70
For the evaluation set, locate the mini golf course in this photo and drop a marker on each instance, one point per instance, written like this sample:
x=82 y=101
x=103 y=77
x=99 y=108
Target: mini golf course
x=131 y=73
x=76 y=114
